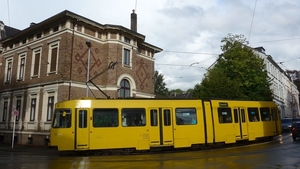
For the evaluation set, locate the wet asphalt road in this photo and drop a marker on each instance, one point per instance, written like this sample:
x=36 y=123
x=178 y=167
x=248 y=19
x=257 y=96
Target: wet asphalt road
x=281 y=153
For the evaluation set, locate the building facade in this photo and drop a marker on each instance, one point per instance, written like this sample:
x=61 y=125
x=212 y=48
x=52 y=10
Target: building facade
x=52 y=61
x=285 y=92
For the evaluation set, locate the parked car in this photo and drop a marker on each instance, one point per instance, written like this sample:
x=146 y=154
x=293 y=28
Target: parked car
x=296 y=119
x=295 y=130
x=286 y=124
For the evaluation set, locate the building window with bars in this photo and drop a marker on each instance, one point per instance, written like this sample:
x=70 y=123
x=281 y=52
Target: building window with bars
x=5 y=107
x=32 y=109
x=50 y=108
x=21 y=67
x=8 y=70
x=18 y=108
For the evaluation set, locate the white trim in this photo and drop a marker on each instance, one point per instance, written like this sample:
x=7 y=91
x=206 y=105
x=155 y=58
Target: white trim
x=51 y=46
x=8 y=60
x=130 y=57
x=131 y=83
x=145 y=95
x=20 y=57
x=34 y=52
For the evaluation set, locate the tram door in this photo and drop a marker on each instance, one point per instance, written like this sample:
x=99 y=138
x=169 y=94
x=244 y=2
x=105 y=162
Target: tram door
x=241 y=131
x=82 y=129
x=275 y=118
x=161 y=128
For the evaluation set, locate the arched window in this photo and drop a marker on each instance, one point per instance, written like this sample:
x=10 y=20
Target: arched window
x=125 y=89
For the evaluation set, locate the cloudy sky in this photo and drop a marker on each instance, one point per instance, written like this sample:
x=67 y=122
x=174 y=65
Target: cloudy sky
x=189 y=32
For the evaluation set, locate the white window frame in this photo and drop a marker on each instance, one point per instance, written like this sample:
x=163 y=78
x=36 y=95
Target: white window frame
x=21 y=56
x=8 y=72
x=28 y=108
x=51 y=47
x=4 y=115
x=123 y=89
x=34 y=52
x=50 y=111
x=32 y=113
x=49 y=91
x=14 y=107
x=130 y=58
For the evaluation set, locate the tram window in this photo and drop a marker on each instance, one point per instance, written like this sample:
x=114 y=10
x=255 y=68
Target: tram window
x=225 y=115
x=265 y=114
x=105 y=118
x=153 y=116
x=253 y=114
x=243 y=115
x=62 y=118
x=186 y=116
x=82 y=119
x=167 y=117
x=134 y=116
x=236 y=118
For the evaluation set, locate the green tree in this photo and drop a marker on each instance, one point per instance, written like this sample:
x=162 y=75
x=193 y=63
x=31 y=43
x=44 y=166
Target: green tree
x=160 y=86
x=216 y=85
x=190 y=91
x=177 y=91
x=238 y=74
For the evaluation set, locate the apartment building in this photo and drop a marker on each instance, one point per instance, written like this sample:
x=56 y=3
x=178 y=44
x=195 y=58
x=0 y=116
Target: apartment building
x=51 y=61
x=285 y=92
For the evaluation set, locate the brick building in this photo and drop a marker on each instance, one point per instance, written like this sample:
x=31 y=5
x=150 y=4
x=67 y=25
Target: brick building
x=48 y=62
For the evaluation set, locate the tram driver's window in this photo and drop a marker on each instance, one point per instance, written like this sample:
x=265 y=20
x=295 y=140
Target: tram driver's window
x=265 y=114
x=62 y=119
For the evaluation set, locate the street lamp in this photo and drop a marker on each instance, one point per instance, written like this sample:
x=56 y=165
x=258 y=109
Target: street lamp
x=197 y=66
x=194 y=63
x=88 y=43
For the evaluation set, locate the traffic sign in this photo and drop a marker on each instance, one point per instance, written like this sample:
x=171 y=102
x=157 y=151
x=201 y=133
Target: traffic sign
x=16 y=113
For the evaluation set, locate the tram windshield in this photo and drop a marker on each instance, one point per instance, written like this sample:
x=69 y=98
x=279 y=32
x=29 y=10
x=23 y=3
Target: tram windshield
x=62 y=118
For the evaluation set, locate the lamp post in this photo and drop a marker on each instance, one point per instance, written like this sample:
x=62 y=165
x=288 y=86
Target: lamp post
x=194 y=63
x=88 y=43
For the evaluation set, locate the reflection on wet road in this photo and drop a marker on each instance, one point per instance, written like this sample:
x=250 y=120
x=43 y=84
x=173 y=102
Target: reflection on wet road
x=282 y=152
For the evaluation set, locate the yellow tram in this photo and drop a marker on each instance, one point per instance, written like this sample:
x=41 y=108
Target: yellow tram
x=142 y=124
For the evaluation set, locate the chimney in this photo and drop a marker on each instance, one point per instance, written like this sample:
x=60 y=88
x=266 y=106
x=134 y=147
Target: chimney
x=32 y=24
x=2 y=30
x=133 y=21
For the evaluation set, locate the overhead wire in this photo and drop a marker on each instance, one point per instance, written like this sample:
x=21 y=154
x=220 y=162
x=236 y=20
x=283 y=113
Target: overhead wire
x=252 y=21
x=200 y=53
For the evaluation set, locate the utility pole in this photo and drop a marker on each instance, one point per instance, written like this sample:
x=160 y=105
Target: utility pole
x=88 y=43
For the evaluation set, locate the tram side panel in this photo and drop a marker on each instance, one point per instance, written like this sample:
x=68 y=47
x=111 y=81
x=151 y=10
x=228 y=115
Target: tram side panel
x=222 y=118
x=118 y=128
x=268 y=125
x=189 y=127
x=261 y=123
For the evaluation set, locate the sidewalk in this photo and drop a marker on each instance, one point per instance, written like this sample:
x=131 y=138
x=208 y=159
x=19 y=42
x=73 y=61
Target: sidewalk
x=28 y=149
